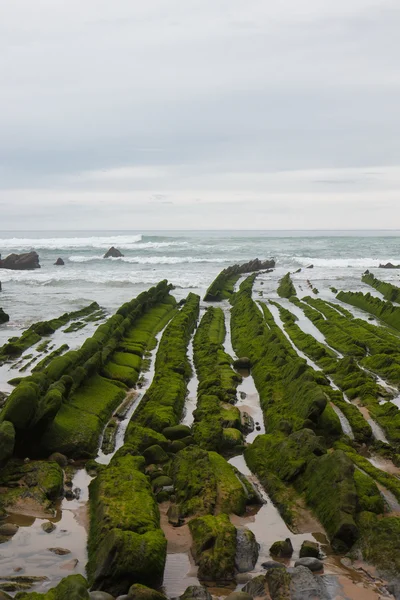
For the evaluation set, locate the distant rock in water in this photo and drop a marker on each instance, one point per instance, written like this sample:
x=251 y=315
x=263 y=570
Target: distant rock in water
x=3 y=316
x=113 y=253
x=310 y=267
x=21 y=262
x=59 y=262
x=389 y=265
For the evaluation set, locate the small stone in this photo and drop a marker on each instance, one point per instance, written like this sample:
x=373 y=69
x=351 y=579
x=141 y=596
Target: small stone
x=26 y=460
x=48 y=527
x=100 y=596
x=77 y=492
x=69 y=495
x=243 y=395
x=271 y=564
x=8 y=529
x=314 y=564
x=59 y=551
x=69 y=565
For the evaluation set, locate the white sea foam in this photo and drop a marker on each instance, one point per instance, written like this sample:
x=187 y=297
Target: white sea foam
x=366 y=263
x=65 y=243
x=150 y=260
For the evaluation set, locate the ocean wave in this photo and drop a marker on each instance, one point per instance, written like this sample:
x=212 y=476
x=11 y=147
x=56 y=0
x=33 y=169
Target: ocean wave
x=150 y=260
x=343 y=262
x=65 y=243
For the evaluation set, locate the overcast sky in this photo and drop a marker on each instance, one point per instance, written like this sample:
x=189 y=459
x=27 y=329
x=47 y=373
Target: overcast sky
x=174 y=114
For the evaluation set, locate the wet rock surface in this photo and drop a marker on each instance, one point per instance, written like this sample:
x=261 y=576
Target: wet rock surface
x=314 y=564
x=21 y=262
x=246 y=550
x=113 y=253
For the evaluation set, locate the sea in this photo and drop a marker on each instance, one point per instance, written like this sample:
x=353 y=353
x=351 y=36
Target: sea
x=189 y=260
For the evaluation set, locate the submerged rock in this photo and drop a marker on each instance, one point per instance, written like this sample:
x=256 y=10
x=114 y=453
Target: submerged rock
x=314 y=564
x=21 y=262
x=113 y=253
x=48 y=527
x=59 y=551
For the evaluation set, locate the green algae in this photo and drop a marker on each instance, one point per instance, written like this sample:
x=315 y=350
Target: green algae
x=73 y=587
x=286 y=288
x=223 y=285
x=214 y=547
x=389 y=291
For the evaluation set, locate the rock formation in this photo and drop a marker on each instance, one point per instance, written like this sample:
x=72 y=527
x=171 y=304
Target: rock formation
x=389 y=265
x=113 y=253
x=3 y=317
x=21 y=262
x=59 y=262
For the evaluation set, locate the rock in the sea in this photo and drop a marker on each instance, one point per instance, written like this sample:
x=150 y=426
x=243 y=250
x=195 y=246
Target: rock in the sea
x=246 y=550
x=314 y=564
x=309 y=548
x=310 y=267
x=196 y=592
x=17 y=262
x=48 y=527
x=8 y=529
x=389 y=265
x=4 y=317
x=282 y=549
x=59 y=551
x=256 y=587
x=59 y=262
x=242 y=363
x=305 y=586
x=141 y=592
x=100 y=596
x=113 y=253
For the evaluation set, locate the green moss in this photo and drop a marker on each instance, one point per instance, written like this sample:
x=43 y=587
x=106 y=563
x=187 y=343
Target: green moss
x=7 y=441
x=223 y=285
x=177 y=433
x=126 y=545
x=380 y=542
x=368 y=495
x=286 y=288
x=389 y=291
x=194 y=481
x=231 y=496
x=140 y=438
x=141 y=592
x=73 y=587
x=214 y=547
x=329 y=488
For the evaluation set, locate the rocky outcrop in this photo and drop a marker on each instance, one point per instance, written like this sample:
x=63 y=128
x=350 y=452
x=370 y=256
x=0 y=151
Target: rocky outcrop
x=7 y=441
x=113 y=253
x=3 y=317
x=21 y=262
x=222 y=286
x=389 y=265
x=59 y=262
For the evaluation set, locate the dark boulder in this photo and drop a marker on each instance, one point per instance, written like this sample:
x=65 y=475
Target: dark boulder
x=310 y=267
x=3 y=317
x=309 y=548
x=59 y=262
x=314 y=564
x=21 y=262
x=113 y=253
x=246 y=550
x=389 y=265
x=242 y=363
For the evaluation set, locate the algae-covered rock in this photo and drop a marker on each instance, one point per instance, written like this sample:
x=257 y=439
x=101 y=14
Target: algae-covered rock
x=278 y=581
x=214 y=547
x=177 y=432
x=141 y=592
x=256 y=586
x=124 y=557
x=126 y=544
x=59 y=458
x=48 y=527
x=330 y=490
x=305 y=586
x=160 y=482
x=195 y=482
x=282 y=549
x=309 y=548
x=140 y=438
x=73 y=587
x=155 y=454
x=380 y=542
x=7 y=441
x=196 y=592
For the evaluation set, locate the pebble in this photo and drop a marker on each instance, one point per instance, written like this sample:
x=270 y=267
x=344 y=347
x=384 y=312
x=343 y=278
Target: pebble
x=59 y=551
x=272 y=564
x=48 y=527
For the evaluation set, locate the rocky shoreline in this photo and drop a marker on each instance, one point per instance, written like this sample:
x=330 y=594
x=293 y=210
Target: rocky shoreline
x=311 y=469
